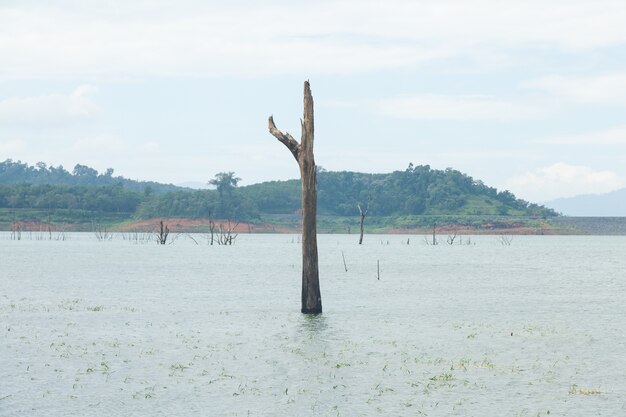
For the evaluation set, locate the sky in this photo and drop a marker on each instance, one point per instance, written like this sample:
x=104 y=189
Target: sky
x=528 y=96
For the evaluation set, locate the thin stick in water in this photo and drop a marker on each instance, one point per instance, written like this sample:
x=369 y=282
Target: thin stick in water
x=344 y=262
x=378 y=268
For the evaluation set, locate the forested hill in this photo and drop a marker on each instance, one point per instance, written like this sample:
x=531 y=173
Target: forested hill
x=414 y=191
x=12 y=172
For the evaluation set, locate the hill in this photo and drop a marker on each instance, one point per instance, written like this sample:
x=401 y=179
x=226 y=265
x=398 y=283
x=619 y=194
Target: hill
x=12 y=172
x=611 y=204
x=416 y=190
x=414 y=197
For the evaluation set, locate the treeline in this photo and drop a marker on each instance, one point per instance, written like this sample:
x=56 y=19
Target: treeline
x=113 y=198
x=235 y=204
x=415 y=191
x=12 y=172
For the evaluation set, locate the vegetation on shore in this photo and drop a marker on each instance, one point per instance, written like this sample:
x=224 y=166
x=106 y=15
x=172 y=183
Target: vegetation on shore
x=412 y=199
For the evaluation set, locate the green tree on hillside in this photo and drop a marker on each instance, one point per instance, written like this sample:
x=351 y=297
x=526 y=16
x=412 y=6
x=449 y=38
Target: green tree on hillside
x=230 y=203
x=84 y=171
x=225 y=182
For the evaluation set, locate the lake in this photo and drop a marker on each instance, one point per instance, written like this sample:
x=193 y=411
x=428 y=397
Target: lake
x=127 y=327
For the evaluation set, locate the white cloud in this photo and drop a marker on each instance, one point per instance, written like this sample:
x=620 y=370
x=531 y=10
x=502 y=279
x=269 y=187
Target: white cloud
x=602 y=89
x=461 y=108
x=485 y=155
x=614 y=136
x=563 y=180
x=11 y=147
x=101 y=145
x=52 y=109
x=134 y=38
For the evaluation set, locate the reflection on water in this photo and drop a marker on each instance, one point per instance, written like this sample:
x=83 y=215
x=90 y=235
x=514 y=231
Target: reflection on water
x=313 y=325
x=91 y=328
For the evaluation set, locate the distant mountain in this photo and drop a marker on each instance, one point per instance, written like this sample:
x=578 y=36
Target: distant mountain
x=611 y=204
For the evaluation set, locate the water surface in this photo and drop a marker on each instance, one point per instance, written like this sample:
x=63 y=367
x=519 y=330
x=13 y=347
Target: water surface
x=119 y=327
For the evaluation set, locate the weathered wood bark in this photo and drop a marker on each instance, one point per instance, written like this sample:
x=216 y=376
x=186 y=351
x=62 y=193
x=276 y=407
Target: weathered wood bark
x=363 y=214
x=303 y=153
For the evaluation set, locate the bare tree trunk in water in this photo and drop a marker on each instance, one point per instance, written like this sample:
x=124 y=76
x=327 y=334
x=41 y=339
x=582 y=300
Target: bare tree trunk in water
x=303 y=153
x=363 y=214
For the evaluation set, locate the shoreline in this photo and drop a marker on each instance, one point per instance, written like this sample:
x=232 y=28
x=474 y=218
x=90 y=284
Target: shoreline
x=558 y=226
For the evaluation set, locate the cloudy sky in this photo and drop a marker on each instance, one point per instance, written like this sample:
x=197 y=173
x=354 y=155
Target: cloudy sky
x=526 y=95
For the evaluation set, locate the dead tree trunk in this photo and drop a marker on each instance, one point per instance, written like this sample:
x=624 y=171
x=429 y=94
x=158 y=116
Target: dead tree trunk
x=363 y=214
x=303 y=153
x=227 y=234
x=162 y=233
